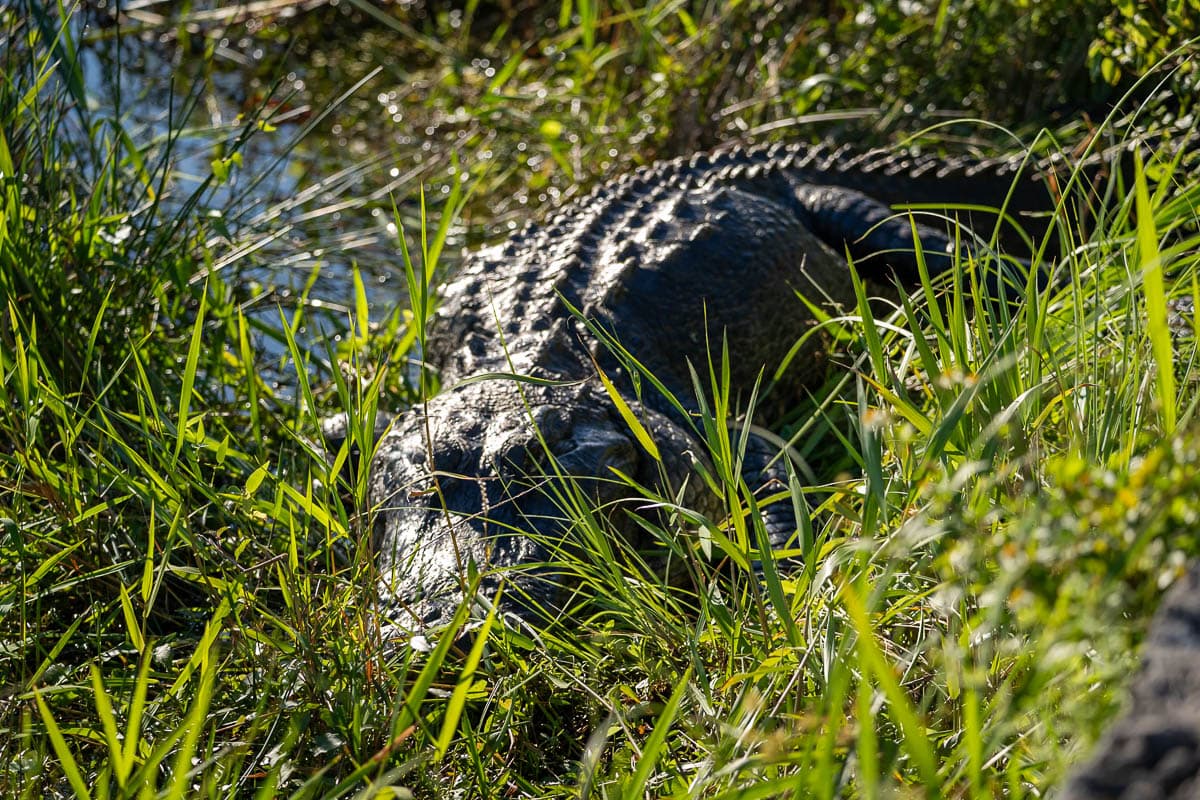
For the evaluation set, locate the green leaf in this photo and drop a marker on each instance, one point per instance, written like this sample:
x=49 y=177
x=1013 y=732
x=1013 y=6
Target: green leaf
x=635 y=425
x=503 y=74
x=131 y=621
x=255 y=480
x=66 y=760
x=458 y=697
x=689 y=24
x=652 y=750
x=1150 y=260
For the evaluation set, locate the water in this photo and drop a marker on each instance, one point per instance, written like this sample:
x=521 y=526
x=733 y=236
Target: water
x=314 y=194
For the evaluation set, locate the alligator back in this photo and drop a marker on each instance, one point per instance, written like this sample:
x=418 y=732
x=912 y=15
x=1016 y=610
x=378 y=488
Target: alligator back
x=680 y=255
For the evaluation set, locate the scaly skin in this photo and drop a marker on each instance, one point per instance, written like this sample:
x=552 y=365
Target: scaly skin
x=1153 y=750
x=668 y=260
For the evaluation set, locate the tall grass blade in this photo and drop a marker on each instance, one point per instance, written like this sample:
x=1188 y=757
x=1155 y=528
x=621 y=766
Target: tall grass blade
x=418 y=287
x=193 y=726
x=418 y=691
x=869 y=331
x=63 y=47
x=189 y=376
x=66 y=758
x=131 y=622
x=6 y=168
x=362 y=315
x=916 y=740
x=432 y=250
x=652 y=749
x=868 y=743
x=108 y=722
x=973 y=741
x=301 y=363
x=635 y=425
x=458 y=698
x=204 y=648
x=1150 y=262
x=137 y=709
x=770 y=570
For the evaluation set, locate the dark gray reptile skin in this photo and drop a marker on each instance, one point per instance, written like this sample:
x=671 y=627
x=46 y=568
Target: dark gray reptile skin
x=669 y=259
x=1153 y=751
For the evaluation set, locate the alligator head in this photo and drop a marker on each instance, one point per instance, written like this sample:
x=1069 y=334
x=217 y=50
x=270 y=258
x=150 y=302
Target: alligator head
x=473 y=481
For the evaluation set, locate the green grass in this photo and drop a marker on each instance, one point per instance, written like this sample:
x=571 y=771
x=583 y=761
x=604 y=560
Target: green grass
x=1000 y=493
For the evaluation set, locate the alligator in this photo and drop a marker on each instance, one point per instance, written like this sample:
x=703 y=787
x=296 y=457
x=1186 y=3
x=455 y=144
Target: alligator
x=650 y=275
x=674 y=262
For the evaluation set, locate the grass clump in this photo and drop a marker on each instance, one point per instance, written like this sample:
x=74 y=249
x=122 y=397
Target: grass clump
x=163 y=543
x=1001 y=491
